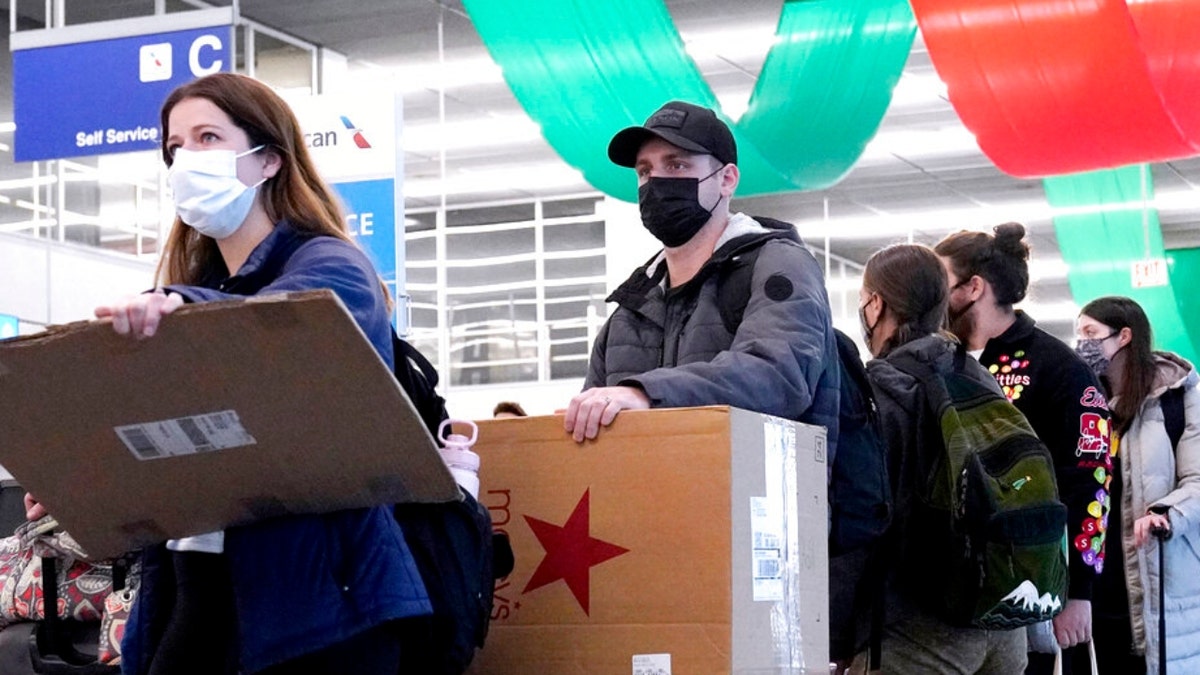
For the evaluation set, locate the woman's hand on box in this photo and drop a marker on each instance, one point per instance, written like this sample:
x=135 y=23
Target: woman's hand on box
x=33 y=508
x=595 y=408
x=139 y=315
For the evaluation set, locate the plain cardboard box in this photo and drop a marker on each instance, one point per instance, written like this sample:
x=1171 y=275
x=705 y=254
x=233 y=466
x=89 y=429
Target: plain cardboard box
x=257 y=408
x=688 y=541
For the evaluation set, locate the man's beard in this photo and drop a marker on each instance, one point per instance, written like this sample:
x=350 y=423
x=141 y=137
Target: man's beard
x=962 y=323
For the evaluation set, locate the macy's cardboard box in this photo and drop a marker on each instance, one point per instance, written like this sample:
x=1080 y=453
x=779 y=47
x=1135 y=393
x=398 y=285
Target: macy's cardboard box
x=235 y=411
x=688 y=541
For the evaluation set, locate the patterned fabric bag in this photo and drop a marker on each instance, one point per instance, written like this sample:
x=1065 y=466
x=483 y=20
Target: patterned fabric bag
x=112 y=626
x=85 y=588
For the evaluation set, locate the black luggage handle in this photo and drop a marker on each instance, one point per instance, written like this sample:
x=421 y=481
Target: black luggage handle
x=1162 y=534
x=50 y=648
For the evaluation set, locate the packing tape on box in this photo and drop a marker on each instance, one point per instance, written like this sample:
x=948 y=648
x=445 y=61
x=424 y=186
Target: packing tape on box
x=782 y=491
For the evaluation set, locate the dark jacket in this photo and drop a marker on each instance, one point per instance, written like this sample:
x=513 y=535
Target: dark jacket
x=301 y=583
x=673 y=344
x=1062 y=399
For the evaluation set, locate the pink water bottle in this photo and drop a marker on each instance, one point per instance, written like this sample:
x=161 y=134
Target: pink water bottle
x=462 y=462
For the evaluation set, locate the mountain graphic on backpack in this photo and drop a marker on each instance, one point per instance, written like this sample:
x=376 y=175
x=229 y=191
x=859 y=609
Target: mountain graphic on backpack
x=1026 y=599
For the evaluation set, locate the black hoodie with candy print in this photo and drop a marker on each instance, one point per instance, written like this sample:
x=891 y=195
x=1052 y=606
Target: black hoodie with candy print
x=1062 y=399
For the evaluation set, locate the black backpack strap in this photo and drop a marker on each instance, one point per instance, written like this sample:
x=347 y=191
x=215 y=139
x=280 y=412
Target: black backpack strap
x=852 y=363
x=1173 y=415
x=937 y=400
x=403 y=349
x=960 y=357
x=419 y=379
x=736 y=273
x=733 y=289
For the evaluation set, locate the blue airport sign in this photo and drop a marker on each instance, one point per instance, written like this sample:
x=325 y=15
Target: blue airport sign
x=104 y=96
x=371 y=220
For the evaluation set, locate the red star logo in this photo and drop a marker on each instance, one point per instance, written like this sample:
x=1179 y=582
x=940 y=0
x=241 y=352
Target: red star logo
x=570 y=553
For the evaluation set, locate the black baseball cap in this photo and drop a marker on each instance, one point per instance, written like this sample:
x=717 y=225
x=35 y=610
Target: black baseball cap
x=691 y=127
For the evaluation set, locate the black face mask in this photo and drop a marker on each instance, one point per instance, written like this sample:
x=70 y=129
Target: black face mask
x=671 y=208
x=961 y=324
x=1092 y=353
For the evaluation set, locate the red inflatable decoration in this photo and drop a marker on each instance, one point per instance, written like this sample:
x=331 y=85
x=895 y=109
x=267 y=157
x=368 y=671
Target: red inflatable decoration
x=1061 y=86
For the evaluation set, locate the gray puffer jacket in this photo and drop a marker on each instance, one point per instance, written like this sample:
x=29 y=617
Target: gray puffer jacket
x=673 y=343
x=1157 y=476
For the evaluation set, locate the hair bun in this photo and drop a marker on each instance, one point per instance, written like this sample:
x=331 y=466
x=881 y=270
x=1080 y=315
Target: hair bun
x=1010 y=240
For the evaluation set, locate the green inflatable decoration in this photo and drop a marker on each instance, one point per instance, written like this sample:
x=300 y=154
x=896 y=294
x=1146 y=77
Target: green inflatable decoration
x=584 y=70
x=1184 y=264
x=1112 y=232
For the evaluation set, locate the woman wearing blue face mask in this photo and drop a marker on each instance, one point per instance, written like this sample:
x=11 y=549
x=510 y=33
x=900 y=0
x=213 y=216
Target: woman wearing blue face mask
x=1159 y=488
x=298 y=594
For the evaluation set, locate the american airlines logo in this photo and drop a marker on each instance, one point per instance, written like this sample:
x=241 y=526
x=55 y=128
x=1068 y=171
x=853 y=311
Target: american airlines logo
x=154 y=62
x=326 y=139
x=359 y=139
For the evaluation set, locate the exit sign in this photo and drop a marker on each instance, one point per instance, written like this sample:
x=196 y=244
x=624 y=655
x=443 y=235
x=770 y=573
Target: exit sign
x=1149 y=273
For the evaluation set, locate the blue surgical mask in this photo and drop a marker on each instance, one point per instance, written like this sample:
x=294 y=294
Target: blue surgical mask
x=208 y=194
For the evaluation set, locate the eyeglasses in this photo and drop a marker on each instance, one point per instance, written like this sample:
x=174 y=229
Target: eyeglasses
x=1100 y=339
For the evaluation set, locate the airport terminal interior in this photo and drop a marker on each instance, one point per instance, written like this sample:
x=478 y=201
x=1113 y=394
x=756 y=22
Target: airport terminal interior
x=509 y=250
x=619 y=529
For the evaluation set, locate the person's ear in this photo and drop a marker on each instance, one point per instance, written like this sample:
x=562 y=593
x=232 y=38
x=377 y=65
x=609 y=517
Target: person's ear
x=1124 y=336
x=874 y=308
x=729 y=180
x=976 y=286
x=272 y=162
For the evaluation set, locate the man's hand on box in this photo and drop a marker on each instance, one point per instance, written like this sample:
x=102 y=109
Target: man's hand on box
x=598 y=407
x=139 y=315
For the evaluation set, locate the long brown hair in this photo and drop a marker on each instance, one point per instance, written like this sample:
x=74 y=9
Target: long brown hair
x=296 y=193
x=1138 y=370
x=1001 y=258
x=911 y=281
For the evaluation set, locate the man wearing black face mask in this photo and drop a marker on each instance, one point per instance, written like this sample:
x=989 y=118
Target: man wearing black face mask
x=671 y=342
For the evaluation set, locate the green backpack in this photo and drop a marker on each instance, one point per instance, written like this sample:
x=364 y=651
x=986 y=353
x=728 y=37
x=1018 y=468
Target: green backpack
x=1005 y=565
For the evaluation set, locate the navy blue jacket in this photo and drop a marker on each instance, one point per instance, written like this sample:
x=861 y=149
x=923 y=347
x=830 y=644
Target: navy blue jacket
x=302 y=583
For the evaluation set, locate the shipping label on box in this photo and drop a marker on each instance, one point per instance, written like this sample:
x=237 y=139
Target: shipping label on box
x=686 y=541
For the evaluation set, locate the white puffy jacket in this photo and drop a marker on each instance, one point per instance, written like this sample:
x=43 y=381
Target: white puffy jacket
x=1156 y=475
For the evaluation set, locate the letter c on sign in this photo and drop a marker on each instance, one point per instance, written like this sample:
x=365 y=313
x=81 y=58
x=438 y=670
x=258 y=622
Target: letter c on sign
x=199 y=43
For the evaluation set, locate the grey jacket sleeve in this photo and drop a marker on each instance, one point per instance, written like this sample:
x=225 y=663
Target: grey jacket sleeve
x=779 y=350
x=1184 y=500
